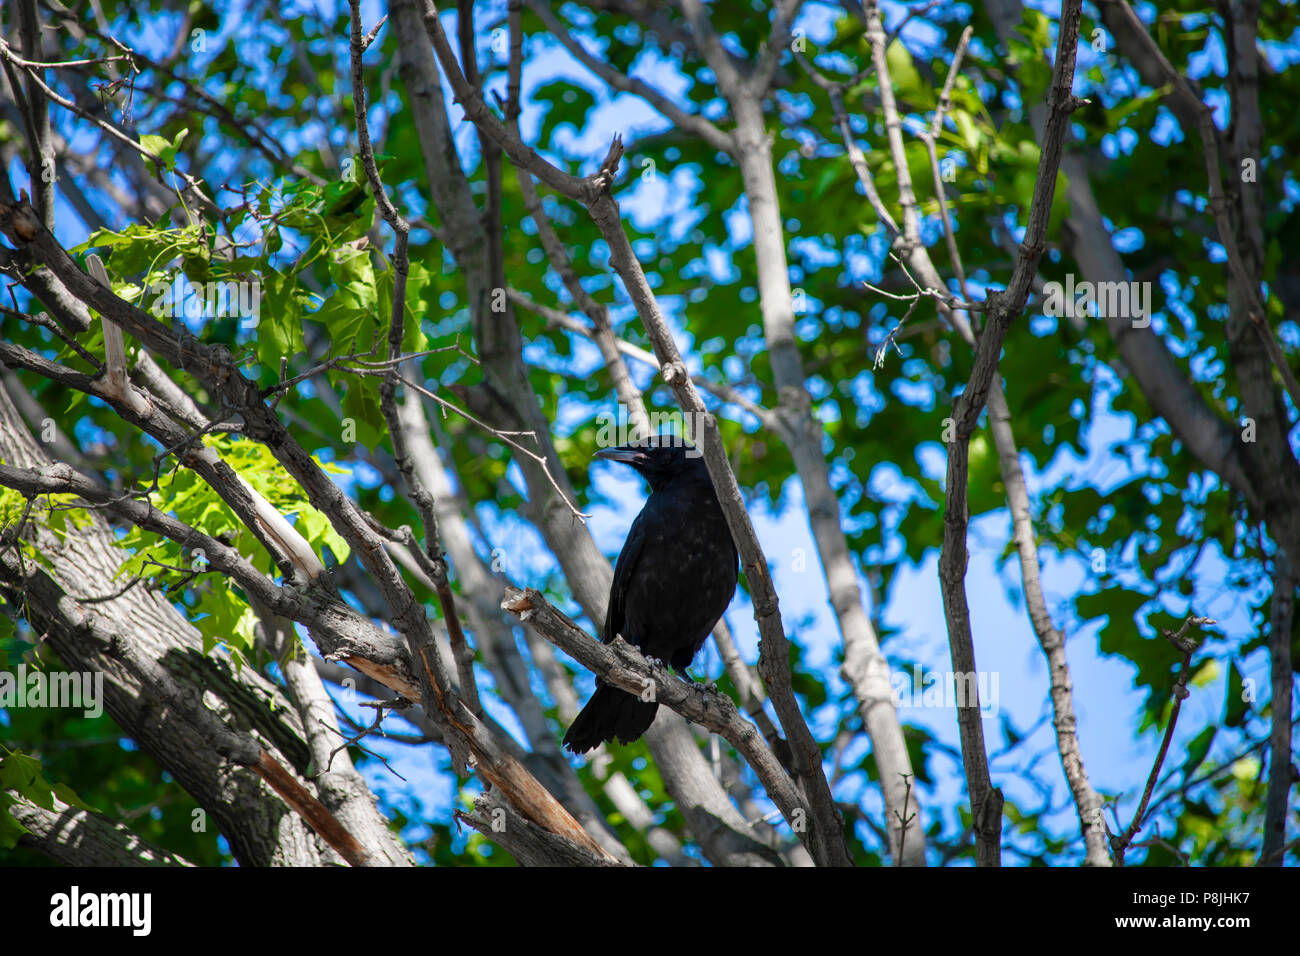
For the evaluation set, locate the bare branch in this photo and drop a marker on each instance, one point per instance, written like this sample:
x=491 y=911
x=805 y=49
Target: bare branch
x=1280 y=776
x=986 y=800
x=191 y=183
x=692 y=122
x=1186 y=647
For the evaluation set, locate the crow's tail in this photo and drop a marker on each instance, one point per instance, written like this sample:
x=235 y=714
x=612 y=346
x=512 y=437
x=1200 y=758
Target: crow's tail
x=610 y=713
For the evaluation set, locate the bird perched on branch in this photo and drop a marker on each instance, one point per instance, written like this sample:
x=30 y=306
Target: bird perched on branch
x=675 y=576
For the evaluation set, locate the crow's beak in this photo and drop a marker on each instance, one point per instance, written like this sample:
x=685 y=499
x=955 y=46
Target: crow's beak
x=630 y=456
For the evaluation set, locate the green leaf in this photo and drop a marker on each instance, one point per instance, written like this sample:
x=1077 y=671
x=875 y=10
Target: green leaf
x=908 y=84
x=164 y=148
x=1236 y=706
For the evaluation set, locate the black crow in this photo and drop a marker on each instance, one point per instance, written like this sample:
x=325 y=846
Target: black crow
x=675 y=576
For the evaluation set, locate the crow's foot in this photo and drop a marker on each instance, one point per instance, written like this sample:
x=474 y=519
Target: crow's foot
x=708 y=686
x=700 y=687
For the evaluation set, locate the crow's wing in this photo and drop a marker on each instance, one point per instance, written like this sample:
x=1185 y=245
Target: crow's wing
x=624 y=570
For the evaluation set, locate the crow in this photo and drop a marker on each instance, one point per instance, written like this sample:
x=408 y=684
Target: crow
x=675 y=576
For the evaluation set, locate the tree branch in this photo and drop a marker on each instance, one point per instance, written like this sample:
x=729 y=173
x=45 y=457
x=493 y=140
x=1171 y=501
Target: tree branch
x=986 y=800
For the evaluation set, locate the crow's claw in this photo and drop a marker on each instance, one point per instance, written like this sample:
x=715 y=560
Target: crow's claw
x=700 y=687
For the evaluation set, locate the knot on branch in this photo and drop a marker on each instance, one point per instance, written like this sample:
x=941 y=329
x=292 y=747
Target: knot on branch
x=673 y=372
x=20 y=221
x=1182 y=641
x=604 y=177
x=794 y=404
x=764 y=607
x=517 y=602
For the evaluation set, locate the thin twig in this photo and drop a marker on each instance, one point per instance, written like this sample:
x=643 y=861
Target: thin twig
x=1187 y=647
